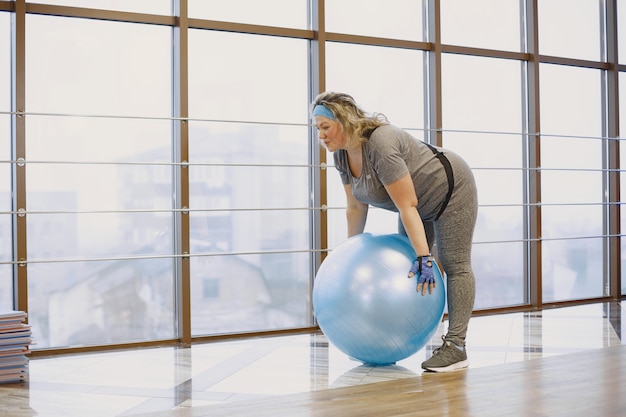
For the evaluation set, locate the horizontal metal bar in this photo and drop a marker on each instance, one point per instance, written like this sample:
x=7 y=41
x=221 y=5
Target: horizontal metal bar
x=148 y=257
x=172 y=210
x=252 y=209
x=184 y=164
x=244 y=253
x=161 y=118
x=192 y=119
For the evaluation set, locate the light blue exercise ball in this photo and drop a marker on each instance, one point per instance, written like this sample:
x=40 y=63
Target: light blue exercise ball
x=367 y=307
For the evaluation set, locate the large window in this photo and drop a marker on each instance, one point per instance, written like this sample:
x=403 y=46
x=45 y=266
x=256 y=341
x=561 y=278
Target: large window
x=108 y=194
x=99 y=181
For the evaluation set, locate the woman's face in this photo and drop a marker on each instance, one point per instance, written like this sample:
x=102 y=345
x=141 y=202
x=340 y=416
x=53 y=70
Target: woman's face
x=331 y=133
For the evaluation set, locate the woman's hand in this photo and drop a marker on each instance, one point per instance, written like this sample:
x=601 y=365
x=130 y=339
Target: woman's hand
x=423 y=268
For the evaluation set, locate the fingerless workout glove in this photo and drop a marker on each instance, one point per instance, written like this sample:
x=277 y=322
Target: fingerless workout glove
x=423 y=268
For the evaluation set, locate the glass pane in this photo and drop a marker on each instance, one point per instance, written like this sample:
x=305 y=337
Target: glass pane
x=6 y=287
x=243 y=293
x=6 y=233
x=247 y=77
x=500 y=224
x=282 y=13
x=249 y=183
x=93 y=181
x=99 y=187
x=481 y=100
x=498 y=249
x=100 y=302
x=555 y=228
x=570 y=28
x=487 y=260
x=351 y=69
x=466 y=23
x=239 y=205
x=572 y=269
x=136 y=198
x=97 y=67
x=139 y=6
x=571 y=102
x=571 y=183
x=481 y=94
x=402 y=18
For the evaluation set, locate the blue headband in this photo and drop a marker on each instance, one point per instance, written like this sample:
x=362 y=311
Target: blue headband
x=321 y=110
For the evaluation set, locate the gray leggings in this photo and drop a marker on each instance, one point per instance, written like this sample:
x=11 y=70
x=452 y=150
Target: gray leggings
x=453 y=234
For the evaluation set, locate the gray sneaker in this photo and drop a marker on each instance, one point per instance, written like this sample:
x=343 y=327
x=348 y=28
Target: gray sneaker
x=446 y=358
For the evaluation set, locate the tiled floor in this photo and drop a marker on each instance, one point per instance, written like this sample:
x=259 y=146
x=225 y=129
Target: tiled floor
x=146 y=381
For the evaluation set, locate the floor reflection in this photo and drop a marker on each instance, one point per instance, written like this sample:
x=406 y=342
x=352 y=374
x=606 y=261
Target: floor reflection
x=159 y=380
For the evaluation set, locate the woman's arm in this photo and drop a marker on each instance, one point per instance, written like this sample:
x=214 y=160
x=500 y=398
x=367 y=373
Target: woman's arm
x=356 y=213
x=402 y=193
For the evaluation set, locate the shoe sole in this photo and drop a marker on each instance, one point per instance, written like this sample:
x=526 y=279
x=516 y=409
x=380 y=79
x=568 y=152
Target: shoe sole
x=450 y=368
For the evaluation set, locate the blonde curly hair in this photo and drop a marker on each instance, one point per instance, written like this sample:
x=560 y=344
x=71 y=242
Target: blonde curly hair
x=356 y=123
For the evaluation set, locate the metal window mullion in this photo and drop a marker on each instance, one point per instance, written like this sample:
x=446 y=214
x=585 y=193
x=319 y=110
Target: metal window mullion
x=532 y=192
x=318 y=220
x=180 y=147
x=434 y=118
x=612 y=215
x=18 y=149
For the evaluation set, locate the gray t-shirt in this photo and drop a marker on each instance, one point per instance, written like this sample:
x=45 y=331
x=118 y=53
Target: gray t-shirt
x=388 y=155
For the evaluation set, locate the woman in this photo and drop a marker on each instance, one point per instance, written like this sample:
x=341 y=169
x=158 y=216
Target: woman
x=432 y=190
